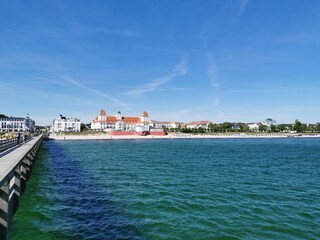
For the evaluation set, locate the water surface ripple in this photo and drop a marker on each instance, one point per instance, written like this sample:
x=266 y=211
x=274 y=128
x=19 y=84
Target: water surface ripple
x=173 y=189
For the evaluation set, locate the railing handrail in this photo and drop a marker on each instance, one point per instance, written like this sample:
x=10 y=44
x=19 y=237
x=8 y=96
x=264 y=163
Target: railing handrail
x=12 y=142
x=4 y=175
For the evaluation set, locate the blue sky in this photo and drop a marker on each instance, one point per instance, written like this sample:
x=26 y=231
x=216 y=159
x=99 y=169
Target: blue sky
x=231 y=60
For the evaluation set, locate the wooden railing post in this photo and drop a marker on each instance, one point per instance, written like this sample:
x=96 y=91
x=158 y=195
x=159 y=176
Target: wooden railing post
x=4 y=210
x=17 y=189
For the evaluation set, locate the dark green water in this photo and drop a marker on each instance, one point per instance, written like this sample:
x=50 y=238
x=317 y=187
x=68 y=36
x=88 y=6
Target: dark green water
x=173 y=189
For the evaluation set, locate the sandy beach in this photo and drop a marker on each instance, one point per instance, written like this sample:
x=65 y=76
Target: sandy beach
x=177 y=136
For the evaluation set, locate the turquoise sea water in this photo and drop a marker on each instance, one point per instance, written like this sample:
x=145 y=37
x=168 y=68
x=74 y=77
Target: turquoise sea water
x=173 y=189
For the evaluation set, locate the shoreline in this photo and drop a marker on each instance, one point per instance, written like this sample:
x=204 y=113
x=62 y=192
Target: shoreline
x=177 y=136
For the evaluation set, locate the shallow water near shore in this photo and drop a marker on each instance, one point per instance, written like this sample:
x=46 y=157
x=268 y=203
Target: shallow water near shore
x=173 y=189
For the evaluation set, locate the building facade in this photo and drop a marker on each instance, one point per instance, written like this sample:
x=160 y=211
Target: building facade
x=17 y=124
x=253 y=126
x=198 y=124
x=166 y=124
x=120 y=123
x=64 y=124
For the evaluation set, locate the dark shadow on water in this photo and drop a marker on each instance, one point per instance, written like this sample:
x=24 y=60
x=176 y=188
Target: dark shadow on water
x=93 y=214
x=83 y=209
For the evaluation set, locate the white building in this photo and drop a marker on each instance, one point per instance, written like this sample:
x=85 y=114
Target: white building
x=198 y=124
x=17 y=124
x=166 y=124
x=63 y=124
x=253 y=126
x=144 y=124
x=120 y=123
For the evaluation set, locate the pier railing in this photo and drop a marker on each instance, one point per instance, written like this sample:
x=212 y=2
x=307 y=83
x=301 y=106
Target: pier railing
x=15 y=169
x=8 y=143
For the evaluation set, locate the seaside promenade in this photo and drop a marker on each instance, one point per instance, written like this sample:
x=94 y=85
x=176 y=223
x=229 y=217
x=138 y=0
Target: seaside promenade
x=104 y=136
x=15 y=169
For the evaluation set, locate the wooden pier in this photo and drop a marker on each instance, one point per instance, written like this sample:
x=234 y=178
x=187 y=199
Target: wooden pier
x=15 y=169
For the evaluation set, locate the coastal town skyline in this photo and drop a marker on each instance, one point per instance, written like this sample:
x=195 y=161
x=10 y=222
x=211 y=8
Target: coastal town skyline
x=221 y=61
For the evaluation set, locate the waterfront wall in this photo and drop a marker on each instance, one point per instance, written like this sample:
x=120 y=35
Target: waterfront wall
x=158 y=133
x=125 y=133
x=15 y=169
x=115 y=133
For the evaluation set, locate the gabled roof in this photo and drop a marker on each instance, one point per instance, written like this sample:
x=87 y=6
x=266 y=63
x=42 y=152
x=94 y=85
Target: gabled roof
x=144 y=114
x=131 y=120
x=198 y=122
x=113 y=120
x=102 y=112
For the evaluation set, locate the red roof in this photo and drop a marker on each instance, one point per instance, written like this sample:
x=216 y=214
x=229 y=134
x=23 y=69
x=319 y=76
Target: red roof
x=145 y=114
x=102 y=112
x=198 y=122
x=113 y=120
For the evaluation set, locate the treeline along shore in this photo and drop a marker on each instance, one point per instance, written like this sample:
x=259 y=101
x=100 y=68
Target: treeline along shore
x=239 y=127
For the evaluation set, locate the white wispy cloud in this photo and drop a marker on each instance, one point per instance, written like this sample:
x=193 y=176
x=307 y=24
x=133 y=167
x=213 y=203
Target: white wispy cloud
x=276 y=90
x=243 y=4
x=206 y=110
x=178 y=71
x=174 y=89
x=48 y=95
x=95 y=91
x=118 y=32
x=297 y=37
x=53 y=81
x=212 y=72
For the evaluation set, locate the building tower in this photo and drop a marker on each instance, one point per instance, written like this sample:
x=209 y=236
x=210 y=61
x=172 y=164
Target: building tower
x=145 y=121
x=118 y=116
x=102 y=116
x=144 y=118
x=119 y=126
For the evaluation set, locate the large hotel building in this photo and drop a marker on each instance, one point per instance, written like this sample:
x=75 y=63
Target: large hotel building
x=121 y=123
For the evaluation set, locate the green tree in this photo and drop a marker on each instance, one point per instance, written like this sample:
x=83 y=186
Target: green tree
x=245 y=128
x=211 y=127
x=263 y=128
x=297 y=126
x=304 y=127
x=273 y=128
x=201 y=130
x=186 y=130
x=311 y=128
x=281 y=127
x=226 y=126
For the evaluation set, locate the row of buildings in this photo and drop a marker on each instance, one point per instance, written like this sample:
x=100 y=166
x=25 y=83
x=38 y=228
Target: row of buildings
x=17 y=124
x=104 y=122
x=120 y=123
x=255 y=126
